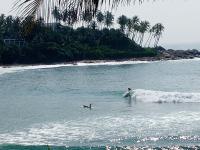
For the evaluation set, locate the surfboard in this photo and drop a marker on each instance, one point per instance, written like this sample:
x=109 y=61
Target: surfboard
x=127 y=94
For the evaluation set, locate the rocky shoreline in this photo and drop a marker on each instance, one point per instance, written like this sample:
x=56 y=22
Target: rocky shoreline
x=162 y=56
x=177 y=54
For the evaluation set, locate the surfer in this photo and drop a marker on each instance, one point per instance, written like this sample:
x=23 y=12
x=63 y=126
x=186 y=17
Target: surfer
x=129 y=93
x=89 y=107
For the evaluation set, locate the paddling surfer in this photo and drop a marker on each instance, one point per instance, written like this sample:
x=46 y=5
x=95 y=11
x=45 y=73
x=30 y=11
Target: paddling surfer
x=89 y=107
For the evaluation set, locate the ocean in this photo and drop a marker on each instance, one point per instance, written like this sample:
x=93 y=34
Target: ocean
x=41 y=106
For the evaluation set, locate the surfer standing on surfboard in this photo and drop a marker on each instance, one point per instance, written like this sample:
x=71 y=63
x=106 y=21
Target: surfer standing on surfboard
x=129 y=93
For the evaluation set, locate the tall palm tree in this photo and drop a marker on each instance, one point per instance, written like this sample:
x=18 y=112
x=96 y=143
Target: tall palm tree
x=136 y=32
x=100 y=18
x=151 y=35
x=144 y=26
x=151 y=30
x=108 y=19
x=129 y=25
x=122 y=21
x=135 y=21
x=159 y=28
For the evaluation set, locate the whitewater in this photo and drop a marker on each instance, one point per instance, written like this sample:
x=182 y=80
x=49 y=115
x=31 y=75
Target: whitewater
x=18 y=68
x=12 y=69
x=142 y=95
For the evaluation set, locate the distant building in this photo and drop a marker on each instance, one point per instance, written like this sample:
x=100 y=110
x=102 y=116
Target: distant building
x=17 y=42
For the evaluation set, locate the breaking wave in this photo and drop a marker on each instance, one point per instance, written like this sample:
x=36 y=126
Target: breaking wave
x=166 y=97
x=13 y=69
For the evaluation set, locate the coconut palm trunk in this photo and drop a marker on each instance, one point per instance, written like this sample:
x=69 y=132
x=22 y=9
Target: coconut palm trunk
x=148 y=39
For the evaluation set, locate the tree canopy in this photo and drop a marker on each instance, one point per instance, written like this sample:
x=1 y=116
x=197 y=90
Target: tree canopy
x=43 y=8
x=61 y=43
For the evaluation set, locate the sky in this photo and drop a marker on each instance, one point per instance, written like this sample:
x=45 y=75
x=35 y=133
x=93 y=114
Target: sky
x=180 y=18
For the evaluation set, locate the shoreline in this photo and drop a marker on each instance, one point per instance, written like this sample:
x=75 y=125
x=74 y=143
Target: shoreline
x=163 y=55
x=98 y=62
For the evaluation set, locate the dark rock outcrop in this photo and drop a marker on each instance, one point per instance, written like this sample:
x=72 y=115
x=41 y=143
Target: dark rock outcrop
x=171 y=54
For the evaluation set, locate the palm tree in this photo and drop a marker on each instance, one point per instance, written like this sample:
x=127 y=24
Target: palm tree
x=2 y=25
x=2 y=19
x=16 y=27
x=100 y=18
x=45 y=7
x=28 y=24
x=122 y=21
x=69 y=17
x=136 y=32
x=87 y=17
x=57 y=14
x=151 y=30
x=144 y=26
x=9 y=25
x=108 y=19
x=135 y=20
x=129 y=27
x=151 y=35
x=93 y=25
x=159 y=28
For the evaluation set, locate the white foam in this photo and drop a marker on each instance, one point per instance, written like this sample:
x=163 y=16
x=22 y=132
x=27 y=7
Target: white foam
x=107 y=129
x=13 y=69
x=166 y=97
x=111 y=63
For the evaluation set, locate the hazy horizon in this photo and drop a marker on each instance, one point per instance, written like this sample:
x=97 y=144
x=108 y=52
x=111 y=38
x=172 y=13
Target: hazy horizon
x=179 y=18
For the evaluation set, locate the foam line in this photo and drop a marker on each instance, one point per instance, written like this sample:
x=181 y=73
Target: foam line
x=166 y=97
x=13 y=69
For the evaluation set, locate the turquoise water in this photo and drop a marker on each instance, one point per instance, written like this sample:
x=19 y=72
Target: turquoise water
x=42 y=105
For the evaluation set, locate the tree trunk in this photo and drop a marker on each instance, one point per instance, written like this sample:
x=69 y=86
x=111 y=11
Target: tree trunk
x=148 y=39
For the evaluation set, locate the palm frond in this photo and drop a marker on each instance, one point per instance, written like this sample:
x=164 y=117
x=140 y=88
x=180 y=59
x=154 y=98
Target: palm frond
x=43 y=8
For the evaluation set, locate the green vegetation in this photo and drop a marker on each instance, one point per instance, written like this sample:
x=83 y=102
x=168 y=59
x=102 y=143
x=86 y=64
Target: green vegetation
x=68 y=39
x=35 y=7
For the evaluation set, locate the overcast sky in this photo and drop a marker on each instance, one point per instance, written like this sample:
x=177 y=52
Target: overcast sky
x=180 y=18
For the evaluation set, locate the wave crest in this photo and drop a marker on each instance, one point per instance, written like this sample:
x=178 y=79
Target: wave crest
x=166 y=97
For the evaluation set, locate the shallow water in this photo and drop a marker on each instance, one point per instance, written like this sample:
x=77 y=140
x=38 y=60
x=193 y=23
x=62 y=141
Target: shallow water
x=42 y=105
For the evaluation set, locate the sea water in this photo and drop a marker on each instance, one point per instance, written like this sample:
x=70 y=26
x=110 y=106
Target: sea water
x=42 y=105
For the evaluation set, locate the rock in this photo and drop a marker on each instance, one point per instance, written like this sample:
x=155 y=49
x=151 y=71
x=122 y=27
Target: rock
x=178 y=54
